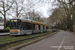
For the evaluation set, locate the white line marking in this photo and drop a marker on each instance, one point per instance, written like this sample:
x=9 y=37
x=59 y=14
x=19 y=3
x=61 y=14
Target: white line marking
x=61 y=43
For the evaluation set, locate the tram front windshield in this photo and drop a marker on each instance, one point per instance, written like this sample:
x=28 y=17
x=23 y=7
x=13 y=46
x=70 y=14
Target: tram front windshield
x=15 y=24
x=53 y=27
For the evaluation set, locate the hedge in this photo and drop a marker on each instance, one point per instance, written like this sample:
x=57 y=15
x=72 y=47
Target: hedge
x=4 y=30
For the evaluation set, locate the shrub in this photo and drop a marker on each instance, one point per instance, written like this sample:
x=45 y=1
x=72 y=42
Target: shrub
x=4 y=30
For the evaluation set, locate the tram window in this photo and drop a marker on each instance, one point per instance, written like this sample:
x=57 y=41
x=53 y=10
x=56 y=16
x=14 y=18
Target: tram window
x=28 y=26
x=43 y=27
x=23 y=26
x=36 y=27
x=39 y=27
x=33 y=26
x=47 y=27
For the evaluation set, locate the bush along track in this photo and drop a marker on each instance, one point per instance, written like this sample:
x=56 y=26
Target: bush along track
x=4 y=30
x=17 y=40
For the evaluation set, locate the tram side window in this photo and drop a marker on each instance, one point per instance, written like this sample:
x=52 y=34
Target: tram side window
x=33 y=26
x=23 y=26
x=39 y=27
x=43 y=27
x=47 y=27
x=28 y=26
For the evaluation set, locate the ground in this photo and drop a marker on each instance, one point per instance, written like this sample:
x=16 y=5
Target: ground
x=63 y=40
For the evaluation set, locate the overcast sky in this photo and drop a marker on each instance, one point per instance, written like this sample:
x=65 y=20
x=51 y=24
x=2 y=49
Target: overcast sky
x=44 y=7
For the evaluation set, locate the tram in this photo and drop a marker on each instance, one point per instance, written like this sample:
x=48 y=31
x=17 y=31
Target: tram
x=26 y=26
x=54 y=28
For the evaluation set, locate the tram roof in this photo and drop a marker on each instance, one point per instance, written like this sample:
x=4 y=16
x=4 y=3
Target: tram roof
x=29 y=21
x=22 y=19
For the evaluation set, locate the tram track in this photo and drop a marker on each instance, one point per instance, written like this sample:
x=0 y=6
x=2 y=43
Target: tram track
x=1 y=45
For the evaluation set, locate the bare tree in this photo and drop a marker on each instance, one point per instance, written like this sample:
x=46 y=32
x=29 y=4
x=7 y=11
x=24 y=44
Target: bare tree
x=17 y=8
x=5 y=5
x=33 y=15
x=67 y=5
x=58 y=16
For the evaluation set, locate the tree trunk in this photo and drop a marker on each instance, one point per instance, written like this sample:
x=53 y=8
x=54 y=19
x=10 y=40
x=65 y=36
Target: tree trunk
x=70 y=23
x=74 y=18
x=5 y=20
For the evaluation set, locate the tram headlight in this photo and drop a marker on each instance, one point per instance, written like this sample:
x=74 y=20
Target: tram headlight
x=18 y=30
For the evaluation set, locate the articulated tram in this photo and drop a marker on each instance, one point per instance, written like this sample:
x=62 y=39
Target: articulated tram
x=54 y=28
x=25 y=26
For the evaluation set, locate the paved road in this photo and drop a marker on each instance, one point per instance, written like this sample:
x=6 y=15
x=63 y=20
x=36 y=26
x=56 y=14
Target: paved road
x=63 y=40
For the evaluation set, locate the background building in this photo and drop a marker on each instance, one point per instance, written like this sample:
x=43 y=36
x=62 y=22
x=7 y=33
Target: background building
x=1 y=23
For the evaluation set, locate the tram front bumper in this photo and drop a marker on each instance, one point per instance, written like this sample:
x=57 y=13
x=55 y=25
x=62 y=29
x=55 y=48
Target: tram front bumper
x=14 y=33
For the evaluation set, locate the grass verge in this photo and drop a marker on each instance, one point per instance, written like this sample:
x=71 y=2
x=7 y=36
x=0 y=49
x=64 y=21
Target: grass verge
x=26 y=41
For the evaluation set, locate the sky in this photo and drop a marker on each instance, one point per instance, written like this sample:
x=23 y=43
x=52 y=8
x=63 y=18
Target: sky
x=44 y=7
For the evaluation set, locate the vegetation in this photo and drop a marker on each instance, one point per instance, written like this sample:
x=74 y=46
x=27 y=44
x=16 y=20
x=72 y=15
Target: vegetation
x=68 y=6
x=63 y=16
x=8 y=39
x=4 y=8
x=4 y=30
x=18 y=9
x=59 y=18
x=8 y=24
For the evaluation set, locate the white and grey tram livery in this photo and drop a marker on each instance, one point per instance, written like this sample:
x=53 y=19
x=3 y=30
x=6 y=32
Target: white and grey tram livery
x=25 y=26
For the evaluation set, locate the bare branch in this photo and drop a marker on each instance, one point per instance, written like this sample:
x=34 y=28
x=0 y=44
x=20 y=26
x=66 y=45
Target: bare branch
x=1 y=13
x=10 y=6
